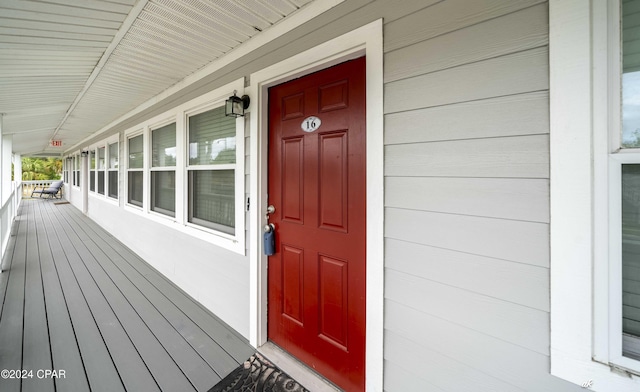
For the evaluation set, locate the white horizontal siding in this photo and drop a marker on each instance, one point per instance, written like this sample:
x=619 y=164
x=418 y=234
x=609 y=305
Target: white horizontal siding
x=447 y=16
x=506 y=75
x=523 y=242
x=482 y=41
x=467 y=198
x=522 y=284
x=520 y=156
x=442 y=371
x=466 y=348
x=511 y=115
x=501 y=319
x=509 y=198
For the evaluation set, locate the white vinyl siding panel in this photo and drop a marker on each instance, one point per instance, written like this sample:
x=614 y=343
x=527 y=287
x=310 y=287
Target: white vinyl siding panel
x=528 y=29
x=523 y=284
x=520 y=72
x=508 y=198
x=517 y=115
x=462 y=348
x=521 y=156
x=467 y=198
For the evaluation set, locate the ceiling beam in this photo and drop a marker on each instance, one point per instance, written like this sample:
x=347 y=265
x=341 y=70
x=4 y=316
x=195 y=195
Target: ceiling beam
x=126 y=25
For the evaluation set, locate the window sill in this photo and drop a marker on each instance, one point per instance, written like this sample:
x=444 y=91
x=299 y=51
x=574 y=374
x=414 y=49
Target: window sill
x=225 y=241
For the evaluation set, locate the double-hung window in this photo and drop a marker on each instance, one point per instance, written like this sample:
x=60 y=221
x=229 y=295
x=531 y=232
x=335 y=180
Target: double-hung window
x=76 y=170
x=163 y=170
x=211 y=170
x=135 y=173
x=65 y=172
x=595 y=192
x=188 y=164
x=101 y=169
x=113 y=168
x=625 y=186
x=92 y=170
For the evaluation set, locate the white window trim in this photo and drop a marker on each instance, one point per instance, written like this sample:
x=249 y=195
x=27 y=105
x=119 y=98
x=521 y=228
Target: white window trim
x=110 y=169
x=583 y=107
x=366 y=40
x=240 y=209
x=75 y=167
x=89 y=170
x=216 y=98
x=173 y=118
x=104 y=143
x=125 y=194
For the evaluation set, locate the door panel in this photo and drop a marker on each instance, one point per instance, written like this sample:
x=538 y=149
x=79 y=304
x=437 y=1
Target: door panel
x=317 y=184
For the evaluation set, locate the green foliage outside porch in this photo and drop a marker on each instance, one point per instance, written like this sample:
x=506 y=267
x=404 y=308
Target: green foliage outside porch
x=35 y=169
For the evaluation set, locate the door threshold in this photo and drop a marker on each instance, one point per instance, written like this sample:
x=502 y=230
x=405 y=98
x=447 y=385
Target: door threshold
x=297 y=370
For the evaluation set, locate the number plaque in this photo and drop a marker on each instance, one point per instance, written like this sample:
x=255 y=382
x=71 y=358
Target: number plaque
x=311 y=124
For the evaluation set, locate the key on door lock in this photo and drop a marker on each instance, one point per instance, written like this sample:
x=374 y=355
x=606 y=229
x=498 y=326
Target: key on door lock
x=270 y=210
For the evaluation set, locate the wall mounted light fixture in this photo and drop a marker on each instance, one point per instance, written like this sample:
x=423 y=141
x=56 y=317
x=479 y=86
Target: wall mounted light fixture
x=235 y=106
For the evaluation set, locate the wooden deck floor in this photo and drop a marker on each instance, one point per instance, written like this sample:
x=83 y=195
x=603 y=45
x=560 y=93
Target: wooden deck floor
x=75 y=300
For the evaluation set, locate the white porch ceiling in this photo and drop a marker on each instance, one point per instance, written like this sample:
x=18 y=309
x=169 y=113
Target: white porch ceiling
x=70 y=67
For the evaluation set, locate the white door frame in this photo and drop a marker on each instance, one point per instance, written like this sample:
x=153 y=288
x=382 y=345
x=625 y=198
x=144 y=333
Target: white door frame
x=367 y=41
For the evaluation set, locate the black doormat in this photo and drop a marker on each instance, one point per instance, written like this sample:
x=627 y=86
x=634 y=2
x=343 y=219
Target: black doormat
x=257 y=374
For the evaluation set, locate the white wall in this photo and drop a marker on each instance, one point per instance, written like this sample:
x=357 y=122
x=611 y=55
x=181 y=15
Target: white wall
x=215 y=277
x=466 y=194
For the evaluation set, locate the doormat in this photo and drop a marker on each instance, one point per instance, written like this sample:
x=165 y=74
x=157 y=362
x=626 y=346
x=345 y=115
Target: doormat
x=60 y=202
x=257 y=374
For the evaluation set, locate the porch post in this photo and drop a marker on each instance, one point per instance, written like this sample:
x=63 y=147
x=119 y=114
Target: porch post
x=17 y=173
x=84 y=181
x=5 y=167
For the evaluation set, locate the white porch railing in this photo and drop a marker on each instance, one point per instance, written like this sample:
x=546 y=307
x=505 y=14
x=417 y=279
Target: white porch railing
x=8 y=213
x=29 y=186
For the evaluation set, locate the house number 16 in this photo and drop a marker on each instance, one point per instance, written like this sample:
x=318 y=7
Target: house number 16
x=311 y=124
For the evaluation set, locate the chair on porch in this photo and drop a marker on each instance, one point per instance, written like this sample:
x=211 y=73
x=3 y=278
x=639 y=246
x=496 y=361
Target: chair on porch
x=53 y=191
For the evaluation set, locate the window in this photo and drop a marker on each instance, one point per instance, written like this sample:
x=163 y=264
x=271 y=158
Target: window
x=76 y=170
x=92 y=170
x=595 y=175
x=630 y=212
x=66 y=170
x=211 y=170
x=113 y=170
x=185 y=169
x=627 y=181
x=135 y=174
x=163 y=173
x=101 y=169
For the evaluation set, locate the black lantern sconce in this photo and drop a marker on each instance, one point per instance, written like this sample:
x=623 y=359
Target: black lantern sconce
x=235 y=106
x=84 y=153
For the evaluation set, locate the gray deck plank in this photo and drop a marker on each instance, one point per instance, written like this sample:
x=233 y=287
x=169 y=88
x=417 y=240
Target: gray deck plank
x=36 y=352
x=221 y=361
x=230 y=340
x=98 y=364
x=186 y=358
x=159 y=362
x=75 y=298
x=11 y=320
x=133 y=371
x=65 y=352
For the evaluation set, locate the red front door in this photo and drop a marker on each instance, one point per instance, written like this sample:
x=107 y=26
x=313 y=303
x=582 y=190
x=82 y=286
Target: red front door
x=317 y=186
